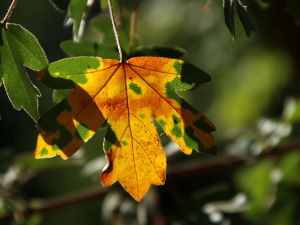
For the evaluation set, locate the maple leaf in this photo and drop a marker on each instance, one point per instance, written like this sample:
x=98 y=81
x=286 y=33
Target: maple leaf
x=127 y=96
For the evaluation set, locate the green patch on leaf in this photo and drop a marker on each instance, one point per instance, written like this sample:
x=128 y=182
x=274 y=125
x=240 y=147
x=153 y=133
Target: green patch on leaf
x=124 y=143
x=63 y=74
x=82 y=131
x=191 y=140
x=82 y=79
x=176 y=131
x=162 y=123
x=170 y=92
x=141 y=115
x=178 y=66
x=44 y=152
x=176 y=120
x=179 y=85
x=136 y=89
x=55 y=147
x=110 y=138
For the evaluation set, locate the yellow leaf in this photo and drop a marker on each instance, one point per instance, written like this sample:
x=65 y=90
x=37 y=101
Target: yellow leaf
x=128 y=96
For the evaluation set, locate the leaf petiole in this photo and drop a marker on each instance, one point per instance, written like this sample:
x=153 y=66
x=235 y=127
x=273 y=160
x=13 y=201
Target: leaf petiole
x=115 y=31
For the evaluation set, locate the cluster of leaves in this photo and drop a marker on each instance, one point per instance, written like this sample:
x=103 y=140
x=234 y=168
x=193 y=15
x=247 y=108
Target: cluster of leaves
x=229 y=13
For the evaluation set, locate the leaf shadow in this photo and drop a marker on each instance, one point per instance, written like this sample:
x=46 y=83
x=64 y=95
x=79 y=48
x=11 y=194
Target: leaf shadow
x=72 y=122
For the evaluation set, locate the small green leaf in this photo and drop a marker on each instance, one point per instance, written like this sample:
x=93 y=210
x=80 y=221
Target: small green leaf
x=77 y=9
x=229 y=16
x=244 y=17
x=87 y=48
x=59 y=94
x=22 y=93
x=191 y=77
x=60 y=5
x=169 y=52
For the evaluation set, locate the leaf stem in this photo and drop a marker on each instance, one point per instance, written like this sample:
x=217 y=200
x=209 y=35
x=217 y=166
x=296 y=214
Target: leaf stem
x=132 y=27
x=9 y=12
x=115 y=31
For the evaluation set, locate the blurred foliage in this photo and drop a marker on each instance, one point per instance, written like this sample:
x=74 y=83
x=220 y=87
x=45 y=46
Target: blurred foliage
x=253 y=100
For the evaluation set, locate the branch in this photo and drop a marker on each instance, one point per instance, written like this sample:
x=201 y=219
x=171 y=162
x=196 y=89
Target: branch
x=62 y=202
x=72 y=199
x=198 y=167
x=9 y=12
x=174 y=172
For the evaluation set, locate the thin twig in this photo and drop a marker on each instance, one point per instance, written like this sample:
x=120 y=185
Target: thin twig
x=9 y=12
x=115 y=31
x=70 y=200
x=132 y=27
x=197 y=168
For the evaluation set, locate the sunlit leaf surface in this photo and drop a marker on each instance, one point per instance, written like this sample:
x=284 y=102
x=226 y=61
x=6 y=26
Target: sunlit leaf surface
x=127 y=96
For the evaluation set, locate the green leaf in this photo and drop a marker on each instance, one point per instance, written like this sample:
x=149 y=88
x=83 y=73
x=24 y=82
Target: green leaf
x=229 y=16
x=244 y=17
x=170 y=52
x=59 y=94
x=20 y=48
x=87 y=48
x=77 y=10
x=60 y=5
x=27 y=47
x=102 y=25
